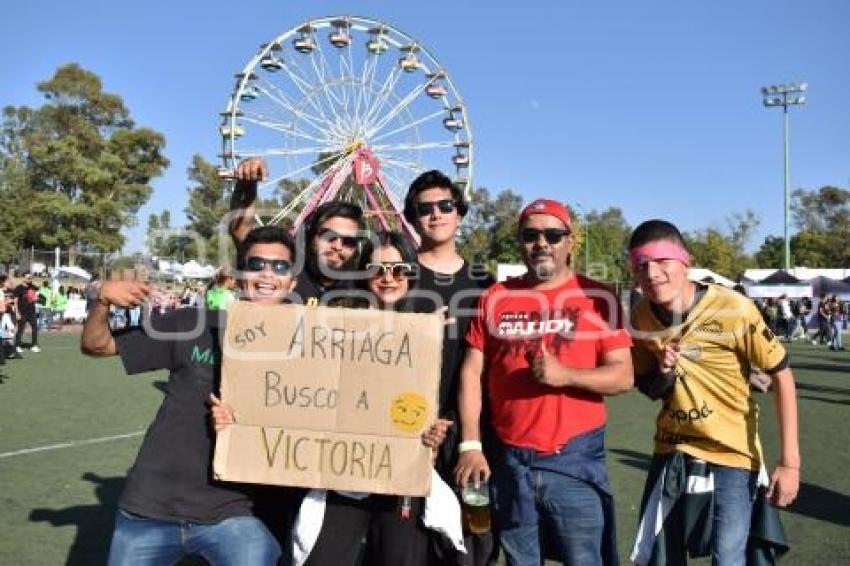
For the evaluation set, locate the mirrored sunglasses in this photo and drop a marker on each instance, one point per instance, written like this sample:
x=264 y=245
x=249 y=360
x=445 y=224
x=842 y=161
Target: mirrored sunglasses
x=278 y=266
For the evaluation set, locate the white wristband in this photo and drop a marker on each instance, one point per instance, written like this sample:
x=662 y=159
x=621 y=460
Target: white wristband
x=468 y=445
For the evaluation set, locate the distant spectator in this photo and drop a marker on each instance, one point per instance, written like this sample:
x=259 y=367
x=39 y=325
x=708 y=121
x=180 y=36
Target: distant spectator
x=44 y=307
x=823 y=333
x=60 y=304
x=220 y=294
x=836 y=341
x=787 y=320
x=26 y=298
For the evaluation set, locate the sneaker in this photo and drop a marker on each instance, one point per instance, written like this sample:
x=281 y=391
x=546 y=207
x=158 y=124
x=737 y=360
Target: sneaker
x=35 y=349
x=19 y=350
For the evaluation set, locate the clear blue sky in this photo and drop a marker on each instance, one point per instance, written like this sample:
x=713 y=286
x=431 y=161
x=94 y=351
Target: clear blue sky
x=651 y=106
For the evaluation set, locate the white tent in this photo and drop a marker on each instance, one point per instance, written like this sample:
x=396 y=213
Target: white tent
x=802 y=273
x=72 y=271
x=194 y=270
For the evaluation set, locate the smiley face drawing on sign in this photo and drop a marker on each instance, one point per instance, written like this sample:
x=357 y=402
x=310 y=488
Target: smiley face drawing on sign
x=408 y=412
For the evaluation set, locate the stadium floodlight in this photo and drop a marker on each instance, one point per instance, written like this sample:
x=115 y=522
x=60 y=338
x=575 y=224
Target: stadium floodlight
x=785 y=95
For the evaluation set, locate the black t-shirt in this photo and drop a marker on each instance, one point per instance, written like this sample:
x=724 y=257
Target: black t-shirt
x=27 y=296
x=307 y=291
x=459 y=291
x=172 y=476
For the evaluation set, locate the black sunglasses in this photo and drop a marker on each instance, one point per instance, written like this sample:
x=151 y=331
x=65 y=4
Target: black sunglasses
x=446 y=206
x=553 y=235
x=329 y=235
x=397 y=270
x=257 y=263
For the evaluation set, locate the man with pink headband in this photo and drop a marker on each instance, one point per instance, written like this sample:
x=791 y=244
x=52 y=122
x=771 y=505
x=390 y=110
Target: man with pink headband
x=694 y=347
x=554 y=345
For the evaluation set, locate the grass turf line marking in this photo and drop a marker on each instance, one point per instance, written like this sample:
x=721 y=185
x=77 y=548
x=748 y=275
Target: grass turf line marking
x=70 y=444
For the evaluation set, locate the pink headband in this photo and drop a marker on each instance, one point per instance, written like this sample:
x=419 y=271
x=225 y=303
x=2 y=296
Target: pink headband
x=660 y=249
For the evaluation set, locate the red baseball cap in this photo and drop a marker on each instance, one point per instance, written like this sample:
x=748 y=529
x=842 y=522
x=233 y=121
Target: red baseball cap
x=546 y=206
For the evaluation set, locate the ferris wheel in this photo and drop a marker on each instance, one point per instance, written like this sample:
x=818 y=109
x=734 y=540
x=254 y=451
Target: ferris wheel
x=346 y=108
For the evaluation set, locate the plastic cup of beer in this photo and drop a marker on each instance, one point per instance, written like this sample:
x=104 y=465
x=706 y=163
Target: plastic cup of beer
x=476 y=506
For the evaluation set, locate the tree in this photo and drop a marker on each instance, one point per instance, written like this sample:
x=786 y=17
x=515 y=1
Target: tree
x=823 y=217
x=823 y=220
x=15 y=192
x=88 y=166
x=606 y=233
x=488 y=233
x=741 y=227
x=770 y=254
x=713 y=250
x=162 y=239
x=207 y=208
x=808 y=248
x=824 y=210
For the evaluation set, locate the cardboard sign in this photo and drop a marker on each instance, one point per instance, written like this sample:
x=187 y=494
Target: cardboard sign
x=329 y=397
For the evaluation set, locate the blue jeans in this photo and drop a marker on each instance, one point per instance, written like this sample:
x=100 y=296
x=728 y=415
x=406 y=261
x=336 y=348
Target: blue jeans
x=837 y=339
x=530 y=497
x=237 y=541
x=734 y=493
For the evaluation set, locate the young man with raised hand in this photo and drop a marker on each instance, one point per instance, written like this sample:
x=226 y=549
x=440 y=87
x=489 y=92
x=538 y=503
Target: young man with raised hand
x=548 y=346
x=170 y=506
x=332 y=235
x=435 y=207
x=695 y=345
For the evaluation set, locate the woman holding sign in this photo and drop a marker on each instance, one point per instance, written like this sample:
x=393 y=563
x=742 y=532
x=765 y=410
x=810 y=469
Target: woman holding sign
x=389 y=523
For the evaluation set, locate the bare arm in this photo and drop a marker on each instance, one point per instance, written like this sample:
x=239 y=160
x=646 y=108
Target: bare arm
x=614 y=376
x=97 y=338
x=785 y=480
x=243 y=207
x=469 y=401
x=471 y=463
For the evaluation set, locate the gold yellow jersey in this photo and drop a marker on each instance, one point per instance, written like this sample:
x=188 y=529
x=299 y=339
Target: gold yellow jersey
x=710 y=413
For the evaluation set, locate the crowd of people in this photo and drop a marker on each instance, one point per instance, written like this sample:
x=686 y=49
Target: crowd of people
x=793 y=319
x=526 y=365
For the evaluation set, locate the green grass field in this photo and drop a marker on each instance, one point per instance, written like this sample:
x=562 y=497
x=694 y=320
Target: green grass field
x=70 y=427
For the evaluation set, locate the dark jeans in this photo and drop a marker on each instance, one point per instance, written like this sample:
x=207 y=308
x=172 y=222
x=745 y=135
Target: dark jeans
x=391 y=539
x=32 y=320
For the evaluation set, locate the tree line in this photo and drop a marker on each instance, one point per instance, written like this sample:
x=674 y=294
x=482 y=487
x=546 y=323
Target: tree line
x=75 y=171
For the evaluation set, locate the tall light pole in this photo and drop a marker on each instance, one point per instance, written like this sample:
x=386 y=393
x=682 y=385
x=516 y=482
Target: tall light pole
x=785 y=96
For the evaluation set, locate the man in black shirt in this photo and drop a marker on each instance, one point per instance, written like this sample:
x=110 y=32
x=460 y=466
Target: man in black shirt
x=435 y=207
x=171 y=507
x=26 y=297
x=331 y=234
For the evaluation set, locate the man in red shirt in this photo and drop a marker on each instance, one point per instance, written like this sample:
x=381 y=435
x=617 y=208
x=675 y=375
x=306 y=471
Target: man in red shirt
x=554 y=345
